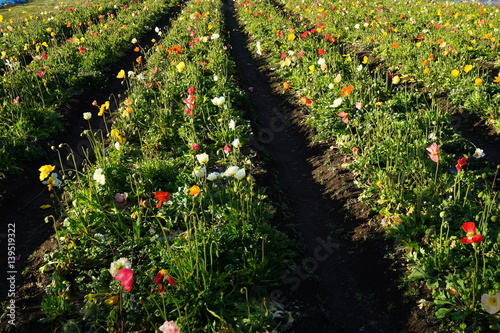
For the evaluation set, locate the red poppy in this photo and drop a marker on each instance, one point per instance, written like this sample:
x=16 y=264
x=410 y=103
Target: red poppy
x=471 y=236
x=160 y=278
x=461 y=163
x=162 y=197
x=126 y=277
x=321 y=52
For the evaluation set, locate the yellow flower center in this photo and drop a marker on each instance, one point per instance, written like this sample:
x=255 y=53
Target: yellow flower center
x=492 y=301
x=470 y=234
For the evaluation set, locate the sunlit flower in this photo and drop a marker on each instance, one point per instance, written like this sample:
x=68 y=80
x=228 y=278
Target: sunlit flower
x=345 y=117
x=87 y=115
x=306 y=101
x=396 y=79
x=337 y=102
x=159 y=280
x=491 y=303
x=121 y=198
x=169 y=327
x=126 y=277
x=195 y=147
x=358 y=105
x=162 y=197
x=236 y=143
x=467 y=68
x=478 y=82
x=231 y=171
x=200 y=171
x=240 y=174
x=434 y=152
x=118 y=265
x=258 y=48
x=180 y=66
x=286 y=85
x=104 y=107
x=203 y=158
x=471 y=236
x=346 y=91
x=291 y=37
x=213 y=176
x=121 y=74
x=232 y=124
x=45 y=170
x=338 y=78
x=99 y=177
x=194 y=190
x=455 y=72
x=479 y=153
x=218 y=100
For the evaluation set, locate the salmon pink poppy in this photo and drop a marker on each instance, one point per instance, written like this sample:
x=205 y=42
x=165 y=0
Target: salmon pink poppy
x=434 y=152
x=162 y=197
x=345 y=117
x=126 y=277
x=471 y=235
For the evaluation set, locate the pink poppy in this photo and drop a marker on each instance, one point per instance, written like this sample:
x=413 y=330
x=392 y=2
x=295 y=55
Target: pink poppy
x=126 y=277
x=434 y=152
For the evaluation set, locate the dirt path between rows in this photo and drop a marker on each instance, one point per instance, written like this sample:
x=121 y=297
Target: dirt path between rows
x=342 y=281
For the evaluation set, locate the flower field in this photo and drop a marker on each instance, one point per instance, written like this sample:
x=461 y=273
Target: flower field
x=160 y=223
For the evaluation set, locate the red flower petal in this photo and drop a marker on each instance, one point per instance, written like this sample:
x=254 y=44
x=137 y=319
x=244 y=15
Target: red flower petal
x=171 y=281
x=469 y=227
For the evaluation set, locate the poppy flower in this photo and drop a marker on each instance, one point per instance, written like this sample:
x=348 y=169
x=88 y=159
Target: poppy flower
x=169 y=327
x=159 y=280
x=461 y=163
x=346 y=91
x=471 y=236
x=162 y=197
x=126 y=277
x=434 y=152
x=321 y=52
x=194 y=190
x=45 y=170
x=491 y=303
x=344 y=115
x=306 y=101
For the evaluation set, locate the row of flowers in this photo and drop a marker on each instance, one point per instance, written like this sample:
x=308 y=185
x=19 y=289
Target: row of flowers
x=51 y=70
x=371 y=111
x=169 y=188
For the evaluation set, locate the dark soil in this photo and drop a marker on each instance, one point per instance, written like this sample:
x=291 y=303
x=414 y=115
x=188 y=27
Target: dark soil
x=347 y=277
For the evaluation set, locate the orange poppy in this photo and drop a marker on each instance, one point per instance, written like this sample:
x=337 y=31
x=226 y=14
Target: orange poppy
x=194 y=190
x=346 y=91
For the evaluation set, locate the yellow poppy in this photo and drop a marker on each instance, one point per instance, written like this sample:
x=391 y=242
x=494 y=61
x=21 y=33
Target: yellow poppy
x=467 y=68
x=121 y=74
x=455 y=72
x=478 y=82
x=180 y=66
x=45 y=170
